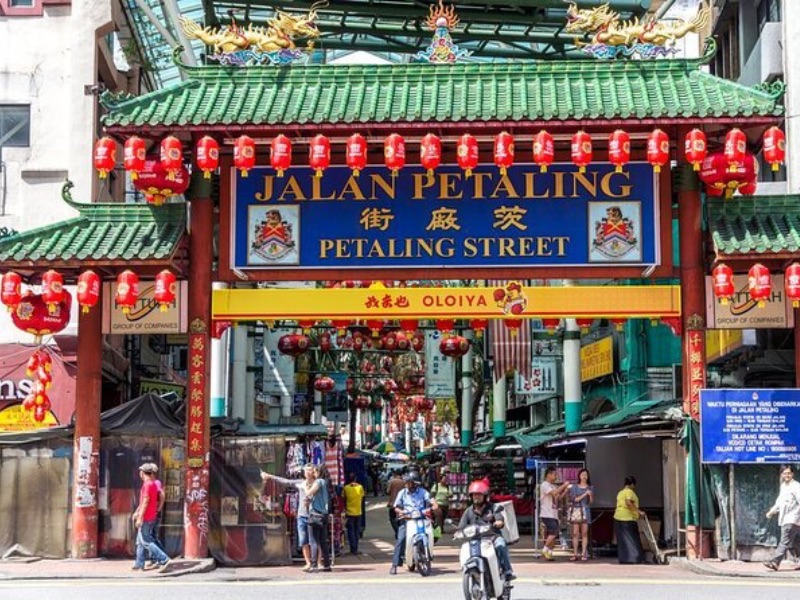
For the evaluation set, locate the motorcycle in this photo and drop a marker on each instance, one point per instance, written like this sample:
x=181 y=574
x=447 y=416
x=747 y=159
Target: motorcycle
x=481 y=576
x=419 y=542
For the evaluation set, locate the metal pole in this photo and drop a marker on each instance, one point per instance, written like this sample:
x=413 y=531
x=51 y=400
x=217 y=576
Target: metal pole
x=700 y=511
x=678 y=502
x=732 y=507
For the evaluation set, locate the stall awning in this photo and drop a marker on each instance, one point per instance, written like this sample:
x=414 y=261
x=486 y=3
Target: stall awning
x=311 y=97
x=620 y=415
x=755 y=227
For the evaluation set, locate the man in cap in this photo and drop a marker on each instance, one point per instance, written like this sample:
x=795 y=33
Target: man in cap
x=145 y=519
x=413 y=498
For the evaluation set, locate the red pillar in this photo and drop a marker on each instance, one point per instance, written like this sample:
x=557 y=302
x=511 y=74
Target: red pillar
x=692 y=271
x=197 y=421
x=86 y=452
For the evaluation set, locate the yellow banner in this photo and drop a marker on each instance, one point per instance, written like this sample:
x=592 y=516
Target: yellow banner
x=16 y=418
x=597 y=359
x=509 y=301
x=720 y=342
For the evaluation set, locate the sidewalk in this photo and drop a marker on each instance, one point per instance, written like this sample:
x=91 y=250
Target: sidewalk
x=374 y=559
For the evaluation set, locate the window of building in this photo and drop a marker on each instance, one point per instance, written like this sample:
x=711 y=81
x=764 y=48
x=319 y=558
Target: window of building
x=768 y=11
x=15 y=125
x=21 y=3
x=727 y=63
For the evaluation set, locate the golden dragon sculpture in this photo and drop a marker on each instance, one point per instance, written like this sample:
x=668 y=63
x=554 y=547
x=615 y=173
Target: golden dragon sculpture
x=279 y=34
x=608 y=29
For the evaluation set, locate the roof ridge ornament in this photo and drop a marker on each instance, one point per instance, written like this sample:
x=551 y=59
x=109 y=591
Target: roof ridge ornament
x=274 y=44
x=774 y=89
x=614 y=38
x=442 y=50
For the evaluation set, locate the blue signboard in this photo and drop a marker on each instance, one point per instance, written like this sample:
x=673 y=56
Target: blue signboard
x=523 y=219
x=750 y=426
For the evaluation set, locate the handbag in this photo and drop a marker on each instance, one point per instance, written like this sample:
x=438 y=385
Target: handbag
x=576 y=514
x=315 y=518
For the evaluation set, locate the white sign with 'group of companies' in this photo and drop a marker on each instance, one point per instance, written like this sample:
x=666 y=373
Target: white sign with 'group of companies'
x=146 y=317
x=742 y=312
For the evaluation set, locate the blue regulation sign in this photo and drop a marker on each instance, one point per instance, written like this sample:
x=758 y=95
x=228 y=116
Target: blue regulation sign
x=750 y=426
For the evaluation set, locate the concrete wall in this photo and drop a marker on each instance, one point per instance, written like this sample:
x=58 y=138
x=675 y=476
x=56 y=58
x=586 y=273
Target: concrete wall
x=46 y=62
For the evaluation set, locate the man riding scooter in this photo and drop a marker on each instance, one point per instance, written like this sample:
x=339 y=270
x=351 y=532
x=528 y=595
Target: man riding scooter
x=483 y=512
x=413 y=498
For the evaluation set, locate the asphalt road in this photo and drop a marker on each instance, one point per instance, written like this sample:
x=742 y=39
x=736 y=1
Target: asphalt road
x=443 y=587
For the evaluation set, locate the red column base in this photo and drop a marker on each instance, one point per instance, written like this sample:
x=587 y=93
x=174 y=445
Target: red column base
x=196 y=521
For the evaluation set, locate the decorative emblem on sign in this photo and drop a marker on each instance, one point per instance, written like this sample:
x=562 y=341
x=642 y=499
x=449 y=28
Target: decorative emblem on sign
x=442 y=49
x=270 y=45
x=511 y=298
x=198 y=326
x=273 y=236
x=614 y=234
x=647 y=38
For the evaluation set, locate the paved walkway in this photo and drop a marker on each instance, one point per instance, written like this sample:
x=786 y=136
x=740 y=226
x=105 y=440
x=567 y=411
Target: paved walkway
x=375 y=557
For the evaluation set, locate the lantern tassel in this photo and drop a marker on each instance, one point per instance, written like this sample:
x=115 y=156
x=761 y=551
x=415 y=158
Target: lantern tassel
x=723 y=301
x=503 y=171
x=762 y=303
x=163 y=307
x=356 y=172
x=134 y=175
x=280 y=172
x=542 y=168
x=85 y=309
x=244 y=173
x=468 y=173
x=581 y=169
x=696 y=166
x=656 y=168
x=618 y=169
x=206 y=174
x=776 y=166
x=795 y=303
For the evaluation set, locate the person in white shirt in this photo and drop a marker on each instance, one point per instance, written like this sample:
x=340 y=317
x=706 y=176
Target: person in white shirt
x=549 y=494
x=787 y=507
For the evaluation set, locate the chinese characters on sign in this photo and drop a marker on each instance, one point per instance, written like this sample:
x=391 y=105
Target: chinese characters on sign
x=195 y=438
x=696 y=377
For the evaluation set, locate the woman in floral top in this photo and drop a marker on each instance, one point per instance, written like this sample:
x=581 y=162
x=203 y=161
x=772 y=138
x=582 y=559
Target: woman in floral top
x=581 y=496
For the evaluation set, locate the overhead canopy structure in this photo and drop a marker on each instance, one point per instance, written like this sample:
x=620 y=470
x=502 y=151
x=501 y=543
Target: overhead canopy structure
x=499 y=29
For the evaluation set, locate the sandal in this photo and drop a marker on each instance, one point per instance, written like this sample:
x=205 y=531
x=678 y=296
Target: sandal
x=306 y=569
x=584 y=557
x=573 y=558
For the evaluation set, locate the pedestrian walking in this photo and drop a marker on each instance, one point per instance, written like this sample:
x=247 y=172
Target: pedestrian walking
x=145 y=519
x=302 y=486
x=787 y=507
x=550 y=493
x=160 y=513
x=353 y=508
x=626 y=524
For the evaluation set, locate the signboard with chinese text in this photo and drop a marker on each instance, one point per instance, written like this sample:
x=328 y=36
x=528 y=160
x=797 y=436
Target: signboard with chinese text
x=544 y=377
x=696 y=375
x=523 y=219
x=440 y=371
x=597 y=359
x=146 y=317
x=195 y=410
x=750 y=426
x=744 y=313
x=278 y=368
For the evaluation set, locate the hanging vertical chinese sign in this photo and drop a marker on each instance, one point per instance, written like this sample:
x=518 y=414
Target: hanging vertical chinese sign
x=696 y=377
x=198 y=358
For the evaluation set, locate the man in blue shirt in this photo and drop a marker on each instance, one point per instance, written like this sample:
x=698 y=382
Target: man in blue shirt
x=413 y=498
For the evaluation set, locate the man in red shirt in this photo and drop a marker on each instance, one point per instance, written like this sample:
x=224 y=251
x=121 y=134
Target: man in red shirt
x=145 y=518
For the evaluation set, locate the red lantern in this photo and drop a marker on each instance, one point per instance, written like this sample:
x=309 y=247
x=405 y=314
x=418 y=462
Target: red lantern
x=394 y=152
x=280 y=156
x=127 y=290
x=324 y=341
x=361 y=402
x=513 y=326
x=105 y=156
x=695 y=148
x=774 y=147
x=293 y=344
x=165 y=289
x=33 y=316
x=735 y=148
x=445 y=325
x=11 y=292
x=792 y=283
x=155 y=184
x=503 y=151
x=52 y=289
x=418 y=342
x=244 y=154
x=171 y=156
x=409 y=326
x=619 y=149
x=759 y=283
x=349 y=384
x=581 y=149
x=551 y=325
x=584 y=324
x=619 y=324
x=88 y=290
x=454 y=346
x=675 y=325
x=403 y=343
x=430 y=152
x=324 y=384
x=207 y=155
x=356 y=153
x=319 y=154
x=544 y=150
x=467 y=153
x=133 y=156
x=375 y=326
x=478 y=326
x=341 y=326
x=657 y=149
x=719 y=178
x=306 y=324
x=722 y=282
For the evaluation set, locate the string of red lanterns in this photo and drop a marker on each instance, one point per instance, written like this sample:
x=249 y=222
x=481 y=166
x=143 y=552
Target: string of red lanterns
x=759 y=284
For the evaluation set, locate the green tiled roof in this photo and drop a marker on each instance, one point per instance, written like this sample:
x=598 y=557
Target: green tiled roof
x=108 y=233
x=751 y=225
x=465 y=92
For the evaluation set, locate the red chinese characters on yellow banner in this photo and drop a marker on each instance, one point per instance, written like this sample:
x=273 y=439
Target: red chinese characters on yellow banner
x=195 y=440
x=697 y=372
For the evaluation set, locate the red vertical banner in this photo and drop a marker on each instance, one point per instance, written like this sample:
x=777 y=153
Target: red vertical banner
x=696 y=377
x=196 y=407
